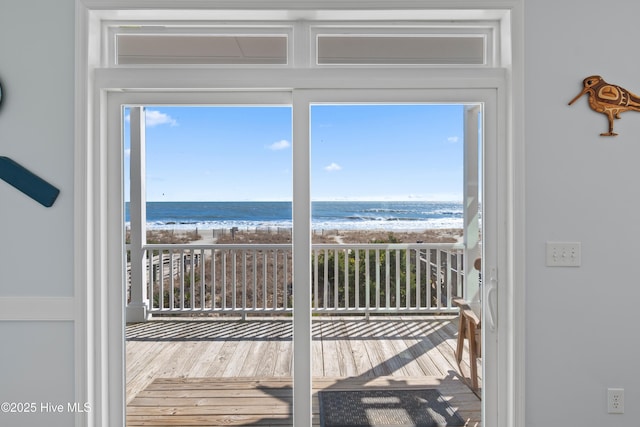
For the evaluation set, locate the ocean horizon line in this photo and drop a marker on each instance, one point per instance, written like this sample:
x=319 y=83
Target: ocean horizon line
x=325 y=214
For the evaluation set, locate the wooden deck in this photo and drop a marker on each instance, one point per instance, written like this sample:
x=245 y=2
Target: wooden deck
x=229 y=372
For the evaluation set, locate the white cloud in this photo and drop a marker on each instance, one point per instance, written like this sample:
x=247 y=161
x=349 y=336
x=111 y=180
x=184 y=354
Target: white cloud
x=280 y=145
x=333 y=167
x=453 y=139
x=155 y=118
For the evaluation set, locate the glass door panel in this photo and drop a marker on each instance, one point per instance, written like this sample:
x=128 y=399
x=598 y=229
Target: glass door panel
x=393 y=192
x=213 y=208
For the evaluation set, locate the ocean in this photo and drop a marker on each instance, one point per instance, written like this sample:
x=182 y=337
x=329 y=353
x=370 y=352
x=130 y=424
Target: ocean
x=340 y=215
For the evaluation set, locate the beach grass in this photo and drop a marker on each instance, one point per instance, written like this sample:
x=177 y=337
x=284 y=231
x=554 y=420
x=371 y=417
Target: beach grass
x=282 y=235
x=167 y=236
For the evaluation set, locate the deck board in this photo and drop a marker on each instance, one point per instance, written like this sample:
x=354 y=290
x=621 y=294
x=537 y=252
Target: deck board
x=247 y=401
x=215 y=373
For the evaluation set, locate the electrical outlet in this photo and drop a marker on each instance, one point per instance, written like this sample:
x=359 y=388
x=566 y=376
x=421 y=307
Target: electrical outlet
x=615 y=400
x=561 y=254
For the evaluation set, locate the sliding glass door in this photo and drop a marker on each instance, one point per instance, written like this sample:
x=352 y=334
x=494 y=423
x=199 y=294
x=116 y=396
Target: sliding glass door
x=417 y=165
x=405 y=164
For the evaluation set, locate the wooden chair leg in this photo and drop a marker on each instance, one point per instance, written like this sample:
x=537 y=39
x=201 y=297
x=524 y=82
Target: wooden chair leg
x=473 y=354
x=462 y=327
x=468 y=328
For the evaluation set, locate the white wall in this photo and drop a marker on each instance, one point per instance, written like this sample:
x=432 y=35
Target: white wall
x=580 y=187
x=36 y=243
x=581 y=328
x=36 y=130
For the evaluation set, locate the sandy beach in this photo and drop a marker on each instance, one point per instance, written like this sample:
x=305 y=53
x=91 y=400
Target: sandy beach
x=281 y=235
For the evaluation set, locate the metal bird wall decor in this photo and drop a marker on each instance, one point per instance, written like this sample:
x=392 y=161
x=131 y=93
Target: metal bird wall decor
x=608 y=99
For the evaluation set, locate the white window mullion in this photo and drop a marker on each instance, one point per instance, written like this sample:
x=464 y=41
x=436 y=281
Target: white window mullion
x=302 y=408
x=301 y=55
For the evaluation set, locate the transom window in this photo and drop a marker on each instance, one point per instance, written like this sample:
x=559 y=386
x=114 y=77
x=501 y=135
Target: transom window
x=144 y=49
x=466 y=44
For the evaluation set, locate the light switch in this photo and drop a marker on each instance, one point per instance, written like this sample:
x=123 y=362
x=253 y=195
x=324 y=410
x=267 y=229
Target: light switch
x=563 y=254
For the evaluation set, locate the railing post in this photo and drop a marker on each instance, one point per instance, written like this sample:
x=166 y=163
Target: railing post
x=471 y=291
x=137 y=309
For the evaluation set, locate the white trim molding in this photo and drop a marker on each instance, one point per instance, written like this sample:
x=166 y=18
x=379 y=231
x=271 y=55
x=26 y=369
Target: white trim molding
x=37 y=309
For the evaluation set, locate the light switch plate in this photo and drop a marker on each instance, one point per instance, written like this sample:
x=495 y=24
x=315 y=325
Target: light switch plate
x=563 y=254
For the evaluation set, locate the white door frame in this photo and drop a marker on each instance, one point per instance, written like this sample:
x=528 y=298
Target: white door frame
x=110 y=138
x=99 y=344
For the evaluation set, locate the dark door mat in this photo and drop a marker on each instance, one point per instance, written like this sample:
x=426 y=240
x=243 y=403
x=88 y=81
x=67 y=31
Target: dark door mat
x=386 y=408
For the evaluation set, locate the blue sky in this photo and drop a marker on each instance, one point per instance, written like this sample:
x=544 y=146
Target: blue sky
x=358 y=152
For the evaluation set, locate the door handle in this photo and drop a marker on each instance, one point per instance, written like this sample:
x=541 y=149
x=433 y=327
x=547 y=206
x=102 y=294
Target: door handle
x=493 y=283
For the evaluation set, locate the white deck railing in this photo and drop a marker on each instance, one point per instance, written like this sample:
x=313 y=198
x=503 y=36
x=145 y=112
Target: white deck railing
x=346 y=278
